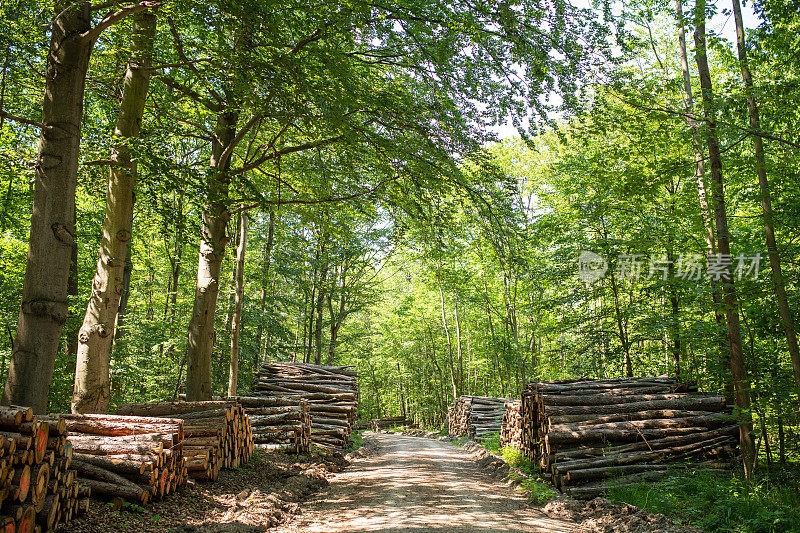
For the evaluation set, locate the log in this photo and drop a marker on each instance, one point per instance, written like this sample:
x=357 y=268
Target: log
x=327 y=399
x=112 y=490
x=580 y=431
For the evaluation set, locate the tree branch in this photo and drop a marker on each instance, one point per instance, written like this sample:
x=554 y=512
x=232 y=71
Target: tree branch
x=112 y=18
x=21 y=120
x=182 y=55
x=223 y=157
x=313 y=201
x=191 y=93
x=283 y=151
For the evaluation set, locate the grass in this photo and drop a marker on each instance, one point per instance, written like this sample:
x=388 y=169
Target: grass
x=492 y=443
x=356 y=440
x=537 y=490
x=718 y=502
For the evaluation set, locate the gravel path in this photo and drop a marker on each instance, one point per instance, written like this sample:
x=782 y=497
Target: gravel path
x=416 y=484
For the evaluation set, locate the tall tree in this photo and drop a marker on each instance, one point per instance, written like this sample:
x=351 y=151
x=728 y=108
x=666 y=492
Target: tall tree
x=92 y=377
x=212 y=251
x=236 y=319
x=44 y=306
x=741 y=380
x=778 y=281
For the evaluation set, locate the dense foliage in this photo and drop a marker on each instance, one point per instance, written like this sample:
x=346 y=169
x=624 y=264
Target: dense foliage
x=390 y=229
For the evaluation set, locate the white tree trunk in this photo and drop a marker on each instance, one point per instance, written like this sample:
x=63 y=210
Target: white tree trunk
x=236 y=319
x=212 y=251
x=92 y=377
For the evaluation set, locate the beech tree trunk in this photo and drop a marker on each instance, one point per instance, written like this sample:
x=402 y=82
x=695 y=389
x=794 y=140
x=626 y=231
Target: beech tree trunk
x=337 y=318
x=320 y=304
x=259 y=355
x=92 y=378
x=453 y=381
x=212 y=251
x=702 y=194
x=778 y=283
x=236 y=320
x=44 y=306
x=741 y=381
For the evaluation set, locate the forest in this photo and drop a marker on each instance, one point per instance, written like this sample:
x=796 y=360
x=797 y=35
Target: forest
x=456 y=198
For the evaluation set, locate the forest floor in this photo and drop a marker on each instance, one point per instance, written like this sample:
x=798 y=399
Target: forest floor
x=420 y=484
x=393 y=483
x=249 y=499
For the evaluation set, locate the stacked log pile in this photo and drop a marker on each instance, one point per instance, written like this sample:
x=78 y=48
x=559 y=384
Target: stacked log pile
x=511 y=429
x=126 y=457
x=217 y=434
x=388 y=422
x=331 y=392
x=475 y=416
x=38 y=487
x=278 y=424
x=583 y=433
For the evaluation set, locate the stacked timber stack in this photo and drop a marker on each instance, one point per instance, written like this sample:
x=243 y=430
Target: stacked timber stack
x=583 y=433
x=476 y=416
x=511 y=429
x=38 y=489
x=126 y=457
x=217 y=434
x=388 y=422
x=331 y=391
x=278 y=424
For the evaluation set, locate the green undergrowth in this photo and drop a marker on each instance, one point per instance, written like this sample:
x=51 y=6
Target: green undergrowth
x=356 y=441
x=716 y=502
x=492 y=443
x=538 y=491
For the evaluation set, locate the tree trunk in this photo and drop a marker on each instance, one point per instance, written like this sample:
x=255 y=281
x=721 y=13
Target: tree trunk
x=212 y=251
x=265 y=286
x=337 y=319
x=73 y=291
x=459 y=351
x=44 y=306
x=119 y=328
x=449 y=345
x=778 y=283
x=320 y=304
x=175 y=264
x=675 y=323
x=92 y=373
x=623 y=334
x=741 y=382
x=236 y=320
x=702 y=194
x=231 y=298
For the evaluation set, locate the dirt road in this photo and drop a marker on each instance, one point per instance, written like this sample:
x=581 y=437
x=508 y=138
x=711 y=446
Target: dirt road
x=420 y=485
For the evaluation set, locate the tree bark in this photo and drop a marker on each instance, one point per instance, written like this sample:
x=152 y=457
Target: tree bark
x=44 y=306
x=92 y=374
x=259 y=355
x=449 y=345
x=459 y=351
x=212 y=251
x=778 y=282
x=236 y=320
x=741 y=381
x=119 y=328
x=73 y=291
x=320 y=304
x=702 y=194
x=337 y=318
